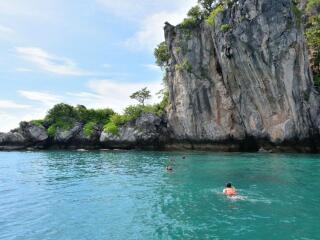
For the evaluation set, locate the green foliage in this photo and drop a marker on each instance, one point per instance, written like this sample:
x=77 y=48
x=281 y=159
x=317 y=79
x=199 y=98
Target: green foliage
x=211 y=18
x=88 y=128
x=132 y=112
x=225 y=27
x=188 y=23
x=52 y=130
x=112 y=128
x=61 y=111
x=195 y=13
x=63 y=117
x=297 y=12
x=38 y=122
x=159 y=109
x=100 y=116
x=313 y=32
x=207 y=4
x=162 y=54
x=61 y=125
x=193 y=19
x=313 y=4
x=118 y=119
x=141 y=96
x=185 y=66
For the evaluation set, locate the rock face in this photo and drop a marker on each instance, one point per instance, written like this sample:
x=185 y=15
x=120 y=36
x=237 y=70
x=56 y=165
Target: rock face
x=146 y=131
x=75 y=138
x=243 y=83
x=248 y=76
x=27 y=135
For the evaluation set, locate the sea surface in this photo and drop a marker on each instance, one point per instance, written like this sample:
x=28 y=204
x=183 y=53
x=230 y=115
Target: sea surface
x=69 y=195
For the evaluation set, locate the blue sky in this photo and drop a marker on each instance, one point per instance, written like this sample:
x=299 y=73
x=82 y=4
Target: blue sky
x=91 y=52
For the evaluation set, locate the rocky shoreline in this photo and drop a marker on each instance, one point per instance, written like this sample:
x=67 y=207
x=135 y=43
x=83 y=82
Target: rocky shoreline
x=148 y=132
x=240 y=83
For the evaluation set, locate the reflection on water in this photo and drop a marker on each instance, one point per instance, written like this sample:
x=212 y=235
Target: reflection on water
x=130 y=195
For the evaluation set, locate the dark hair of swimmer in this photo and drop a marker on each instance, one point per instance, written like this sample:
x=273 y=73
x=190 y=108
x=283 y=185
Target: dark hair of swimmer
x=229 y=185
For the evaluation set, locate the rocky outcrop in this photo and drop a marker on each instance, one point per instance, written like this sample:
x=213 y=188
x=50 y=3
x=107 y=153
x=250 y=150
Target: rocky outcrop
x=27 y=135
x=242 y=83
x=147 y=131
x=75 y=138
x=245 y=77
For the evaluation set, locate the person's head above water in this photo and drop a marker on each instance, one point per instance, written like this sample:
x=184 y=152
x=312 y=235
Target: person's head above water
x=229 y=185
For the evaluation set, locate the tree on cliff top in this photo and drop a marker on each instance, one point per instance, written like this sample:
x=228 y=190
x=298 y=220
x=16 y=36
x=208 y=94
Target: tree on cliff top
x=162 y=54
x=207 y=4
x=141 y=96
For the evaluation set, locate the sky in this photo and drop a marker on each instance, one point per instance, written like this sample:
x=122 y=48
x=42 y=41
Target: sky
x=90 y=52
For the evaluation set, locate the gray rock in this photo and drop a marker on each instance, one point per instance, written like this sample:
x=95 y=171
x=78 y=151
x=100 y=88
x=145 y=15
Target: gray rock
x=147 y=130
x=66 y=136
x=33 y=133
x=253 y=80
x=12 y=138
x=26 y=135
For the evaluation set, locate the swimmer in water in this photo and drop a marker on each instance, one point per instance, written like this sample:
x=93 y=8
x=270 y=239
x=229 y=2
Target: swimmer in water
x=229 y=190
x=169 y=168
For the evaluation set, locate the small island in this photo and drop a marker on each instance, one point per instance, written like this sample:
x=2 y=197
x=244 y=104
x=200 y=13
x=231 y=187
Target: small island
x=237 y=78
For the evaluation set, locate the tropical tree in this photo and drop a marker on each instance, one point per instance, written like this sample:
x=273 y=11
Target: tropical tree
x=141 y=96
x=207 y=4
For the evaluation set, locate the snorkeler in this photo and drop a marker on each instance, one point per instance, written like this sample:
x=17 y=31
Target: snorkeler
x=169 y=168
x=229 y=190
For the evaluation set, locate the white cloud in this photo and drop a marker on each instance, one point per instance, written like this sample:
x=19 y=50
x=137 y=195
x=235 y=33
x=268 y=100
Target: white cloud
x=102 y=94
x=112 y=94
x=49 y=62
x=85 y=95
x=150 y=15
x=7 y=104
x=10 y=120
x=42 y=97
x=6 y=30
x=150 y=31
x=152 y=67
x=140 y=8
x=23 y=70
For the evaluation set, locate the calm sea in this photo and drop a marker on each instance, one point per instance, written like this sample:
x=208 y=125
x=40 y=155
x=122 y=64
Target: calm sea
x=65 y=195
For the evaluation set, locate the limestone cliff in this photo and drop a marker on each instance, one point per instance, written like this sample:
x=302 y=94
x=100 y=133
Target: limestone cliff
x=245 y=76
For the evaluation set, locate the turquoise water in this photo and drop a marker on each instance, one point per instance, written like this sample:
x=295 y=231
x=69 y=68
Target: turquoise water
x=129 y=195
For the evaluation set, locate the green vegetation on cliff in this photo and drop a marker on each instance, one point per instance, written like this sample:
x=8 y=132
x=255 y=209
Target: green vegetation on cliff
x=162 y=54
x=64 y=117
x=216 y=10
x=194 y=17
x=312 y=25
x=133 y=112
